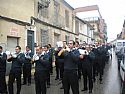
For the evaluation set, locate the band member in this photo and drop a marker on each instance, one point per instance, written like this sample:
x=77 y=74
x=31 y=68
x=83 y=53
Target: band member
x=101 y=63
x=3 y=58
x=17 y=59
x=57 y=59
x=87 y=69
x=51 y=51
x=71 y=57
x=42 y=64
x=27 y=66
x=95 y=61
x=60 y=61
x=79 y=64
x=46 y=50
x=57 y=63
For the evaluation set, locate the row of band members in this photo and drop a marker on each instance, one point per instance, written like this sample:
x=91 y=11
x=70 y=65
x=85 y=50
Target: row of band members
x=71 y=60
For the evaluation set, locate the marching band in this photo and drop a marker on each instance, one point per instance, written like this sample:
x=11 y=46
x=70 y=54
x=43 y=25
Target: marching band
x=71 y=60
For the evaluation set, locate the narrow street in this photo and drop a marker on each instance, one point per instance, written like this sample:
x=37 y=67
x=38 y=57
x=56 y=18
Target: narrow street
x=111 y=82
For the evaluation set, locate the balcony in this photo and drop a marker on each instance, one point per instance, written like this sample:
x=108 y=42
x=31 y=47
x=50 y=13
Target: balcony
x=58 y=21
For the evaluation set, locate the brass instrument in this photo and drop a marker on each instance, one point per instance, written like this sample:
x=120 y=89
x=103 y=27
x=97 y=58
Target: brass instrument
x=61 y=51
x=66 y=48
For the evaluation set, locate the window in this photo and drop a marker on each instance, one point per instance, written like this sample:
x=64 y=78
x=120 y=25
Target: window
x=119 y=44
x=67 y=38
x=76 y=27
x=67 y=18
x=44 y=37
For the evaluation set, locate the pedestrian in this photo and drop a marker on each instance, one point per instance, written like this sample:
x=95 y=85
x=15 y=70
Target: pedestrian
x=27 y=66
x=3 y=58
x=17 y=58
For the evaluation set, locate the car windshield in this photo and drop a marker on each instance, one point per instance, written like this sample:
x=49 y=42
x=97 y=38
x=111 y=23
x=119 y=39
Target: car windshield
x=119 y=44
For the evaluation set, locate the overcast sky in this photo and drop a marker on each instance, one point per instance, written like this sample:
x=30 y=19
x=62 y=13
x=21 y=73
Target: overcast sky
x=113 y=11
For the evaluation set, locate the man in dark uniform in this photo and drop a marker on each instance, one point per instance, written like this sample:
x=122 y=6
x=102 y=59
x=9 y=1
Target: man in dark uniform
x=71 y=57
x=42 y=64
x=87 y=63
x=95 y=61
x=27 y=66
x=51 y=51
x=17 y=59
x=79 y=64
x=3 y=58
x=57 y=63
x=101 y=63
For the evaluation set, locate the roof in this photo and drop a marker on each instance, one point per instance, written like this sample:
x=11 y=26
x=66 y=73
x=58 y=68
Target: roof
x=66 y=4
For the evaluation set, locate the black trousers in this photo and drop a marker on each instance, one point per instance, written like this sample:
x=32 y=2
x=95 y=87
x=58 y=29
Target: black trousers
x=27 y=73
x=100 y=68
x=15 y=74
x=51 y=66
x=87 y=76
x=3 y=86
x=79 y=70
x=57 y=69
x=70 y=78
x=48 y=77
x=95 y=69
x=40 y=82
x=61 y=69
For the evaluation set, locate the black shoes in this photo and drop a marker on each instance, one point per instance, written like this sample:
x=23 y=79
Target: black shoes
x=48 y=86
x=84 y=89
x=56 y=78
x=90 y=91
x=62 y=87
x=24 y=84
x=29 y=84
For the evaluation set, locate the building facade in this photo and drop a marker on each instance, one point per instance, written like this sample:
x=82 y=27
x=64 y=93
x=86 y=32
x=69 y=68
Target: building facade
x=84 y=31
x=14 y=17
x=54 y=22
x=40 y=22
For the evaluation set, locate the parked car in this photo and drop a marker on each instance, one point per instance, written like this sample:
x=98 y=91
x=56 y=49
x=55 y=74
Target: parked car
x=121 y=68
x=119 y=45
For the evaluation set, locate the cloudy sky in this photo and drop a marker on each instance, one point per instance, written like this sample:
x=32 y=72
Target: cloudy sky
x=113 y=11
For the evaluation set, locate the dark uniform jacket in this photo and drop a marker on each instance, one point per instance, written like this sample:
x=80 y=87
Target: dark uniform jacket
x=59 y=59
x=88 y=60
x=71 y=59
x=43 y=63
x=28 y=57
x=3 y=58
x=17 y=62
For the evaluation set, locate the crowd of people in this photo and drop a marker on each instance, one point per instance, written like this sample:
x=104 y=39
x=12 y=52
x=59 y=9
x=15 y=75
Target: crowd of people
x=72 y=61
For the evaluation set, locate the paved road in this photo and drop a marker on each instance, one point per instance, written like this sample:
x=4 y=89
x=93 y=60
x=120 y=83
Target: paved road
x=111 y=82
